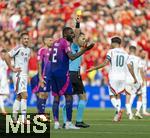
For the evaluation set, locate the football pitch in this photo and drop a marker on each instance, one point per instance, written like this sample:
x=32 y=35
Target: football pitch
x=101 y=126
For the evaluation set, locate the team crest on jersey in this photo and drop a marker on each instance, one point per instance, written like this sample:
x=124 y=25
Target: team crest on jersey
x=22 y=53
x=56 y=44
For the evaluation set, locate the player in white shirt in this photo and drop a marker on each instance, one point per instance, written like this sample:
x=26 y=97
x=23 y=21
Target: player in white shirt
x=117 y=58
x=134 y=62
x=142 y=80
x=21 y=55
x=4 y=85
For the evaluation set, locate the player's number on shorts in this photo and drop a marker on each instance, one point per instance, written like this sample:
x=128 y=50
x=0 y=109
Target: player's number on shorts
x=120 y=61
x=54 y=60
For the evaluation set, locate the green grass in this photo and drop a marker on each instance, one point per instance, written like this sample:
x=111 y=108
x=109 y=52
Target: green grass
x=101 y=126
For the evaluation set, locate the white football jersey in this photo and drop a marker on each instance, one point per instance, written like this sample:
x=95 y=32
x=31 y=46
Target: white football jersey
x=21 y=57
x=142 y=65
x=118 y=58
x=135 y=62
x=3 y=68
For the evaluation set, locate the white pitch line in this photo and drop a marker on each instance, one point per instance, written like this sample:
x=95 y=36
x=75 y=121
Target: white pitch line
x=100 y=132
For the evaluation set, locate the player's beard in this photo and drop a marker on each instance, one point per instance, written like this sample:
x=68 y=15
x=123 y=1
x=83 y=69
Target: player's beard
x=70 y=39
x=25 y=44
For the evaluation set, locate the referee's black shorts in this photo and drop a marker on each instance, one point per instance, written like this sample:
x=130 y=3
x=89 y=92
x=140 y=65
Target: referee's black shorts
x=76 y=81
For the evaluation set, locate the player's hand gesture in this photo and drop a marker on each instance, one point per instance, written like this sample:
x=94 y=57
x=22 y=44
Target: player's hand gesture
x=78 y=19
x=16 y=70
x=90 y=46
x=78 y=16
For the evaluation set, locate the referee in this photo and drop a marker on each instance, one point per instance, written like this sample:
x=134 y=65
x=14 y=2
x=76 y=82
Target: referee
x=76 y=80
x=77 y=84
x=75 y=77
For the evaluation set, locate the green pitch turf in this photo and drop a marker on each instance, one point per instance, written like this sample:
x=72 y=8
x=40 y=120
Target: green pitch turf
x=101 y=126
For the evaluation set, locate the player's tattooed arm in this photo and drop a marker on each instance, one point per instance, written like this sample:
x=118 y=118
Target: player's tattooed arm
x=132 y=72
x=76 y=55
x=7 y=59
x=99 y=66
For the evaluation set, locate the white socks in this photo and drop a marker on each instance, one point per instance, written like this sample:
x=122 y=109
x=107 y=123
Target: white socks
x=119 y=105
x=139 y=104
x=144 y=101
x=132 y=99
x=16 y=107
x=23 y=108
x=128 y=108
x=116 y=103
x=2 y=103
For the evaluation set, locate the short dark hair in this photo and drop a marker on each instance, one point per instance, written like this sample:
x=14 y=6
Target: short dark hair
x=65 y=29
x=46 y=36
x=22 y=34
x=81 y=33
x=116 y=40
x=132 y=47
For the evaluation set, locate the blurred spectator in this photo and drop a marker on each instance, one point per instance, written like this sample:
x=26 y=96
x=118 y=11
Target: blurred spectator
x=101 y=19
x=33 y=66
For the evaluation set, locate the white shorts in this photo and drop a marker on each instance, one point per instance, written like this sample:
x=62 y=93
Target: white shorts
x=116 y=87
x=20 y=83
x=131 y=89
x=4 y=85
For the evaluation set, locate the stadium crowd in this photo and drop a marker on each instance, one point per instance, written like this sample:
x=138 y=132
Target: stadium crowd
x=100 y=20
